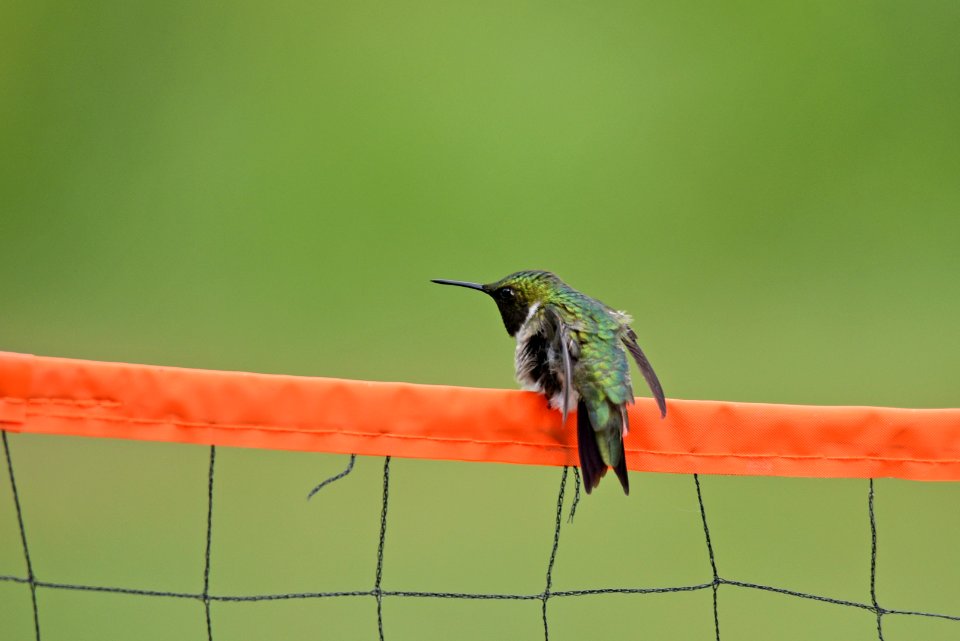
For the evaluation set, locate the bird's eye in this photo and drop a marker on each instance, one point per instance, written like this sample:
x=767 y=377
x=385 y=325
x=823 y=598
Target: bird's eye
x=506 y=292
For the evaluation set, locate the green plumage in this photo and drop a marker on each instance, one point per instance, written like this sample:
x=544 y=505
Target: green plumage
x=601 y=375
x=571 y=348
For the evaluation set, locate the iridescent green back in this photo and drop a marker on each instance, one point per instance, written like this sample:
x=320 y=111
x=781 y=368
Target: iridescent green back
x=603 y=372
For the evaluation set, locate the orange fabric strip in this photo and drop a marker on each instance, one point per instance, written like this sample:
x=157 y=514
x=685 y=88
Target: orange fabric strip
x=44 y=395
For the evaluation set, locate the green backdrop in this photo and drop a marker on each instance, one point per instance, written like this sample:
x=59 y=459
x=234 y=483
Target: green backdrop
x=772 y=190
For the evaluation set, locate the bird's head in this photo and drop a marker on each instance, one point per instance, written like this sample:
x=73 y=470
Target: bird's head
x=515 y=295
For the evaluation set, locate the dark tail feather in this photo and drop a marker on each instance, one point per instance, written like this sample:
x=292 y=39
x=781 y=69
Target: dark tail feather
x=621 y=467
x=591 y=464
x=621 y=470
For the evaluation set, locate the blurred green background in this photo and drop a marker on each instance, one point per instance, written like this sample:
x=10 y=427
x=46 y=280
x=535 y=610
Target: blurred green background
x=772 y=190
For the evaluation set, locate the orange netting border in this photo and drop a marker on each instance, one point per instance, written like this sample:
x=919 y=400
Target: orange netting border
x=44 y=395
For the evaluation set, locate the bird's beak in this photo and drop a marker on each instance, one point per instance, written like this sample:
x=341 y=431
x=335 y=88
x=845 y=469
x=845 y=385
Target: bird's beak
x=458 y=283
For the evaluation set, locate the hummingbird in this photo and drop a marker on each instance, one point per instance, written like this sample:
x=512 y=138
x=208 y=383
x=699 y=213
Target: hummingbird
x=570 y=348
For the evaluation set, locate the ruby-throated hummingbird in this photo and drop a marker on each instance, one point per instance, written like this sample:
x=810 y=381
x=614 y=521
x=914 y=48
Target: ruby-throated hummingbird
x=570 y=349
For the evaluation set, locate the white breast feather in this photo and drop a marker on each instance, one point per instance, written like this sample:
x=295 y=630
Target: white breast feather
x=524 y=363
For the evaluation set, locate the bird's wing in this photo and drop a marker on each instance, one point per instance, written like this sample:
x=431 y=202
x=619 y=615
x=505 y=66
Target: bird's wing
x=630 y=340
x=561 y=336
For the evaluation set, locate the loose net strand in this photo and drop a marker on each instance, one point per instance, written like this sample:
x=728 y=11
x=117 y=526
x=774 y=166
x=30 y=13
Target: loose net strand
x=379 y=594
x=335 y=477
